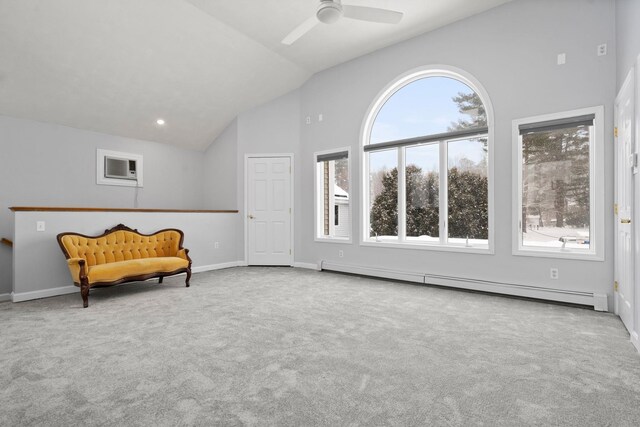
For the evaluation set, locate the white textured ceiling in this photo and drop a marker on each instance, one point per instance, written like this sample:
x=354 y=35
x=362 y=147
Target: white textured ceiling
x=115 y=66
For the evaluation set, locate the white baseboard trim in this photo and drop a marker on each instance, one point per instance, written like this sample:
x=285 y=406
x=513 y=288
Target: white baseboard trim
x=307 y=265
x=600 y=302
x=371 y=271
x=5 y=297
x=211 y=267
x=561 y=295
x=45 y=293
x=635 y=340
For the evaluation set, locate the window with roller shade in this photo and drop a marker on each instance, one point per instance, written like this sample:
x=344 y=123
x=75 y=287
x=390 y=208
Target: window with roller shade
x=333 y=204
x=556 y=174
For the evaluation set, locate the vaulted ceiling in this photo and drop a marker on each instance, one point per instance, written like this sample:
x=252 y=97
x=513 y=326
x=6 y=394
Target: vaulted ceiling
x=117 y=66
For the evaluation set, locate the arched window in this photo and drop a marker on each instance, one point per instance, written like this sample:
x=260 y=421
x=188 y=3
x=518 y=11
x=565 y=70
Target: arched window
x=427 y=149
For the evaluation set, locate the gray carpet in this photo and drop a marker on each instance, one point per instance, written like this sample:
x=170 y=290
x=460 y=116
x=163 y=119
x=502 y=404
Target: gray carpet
x=282 y=346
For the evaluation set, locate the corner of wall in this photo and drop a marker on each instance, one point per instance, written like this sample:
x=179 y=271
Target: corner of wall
x=220 y=170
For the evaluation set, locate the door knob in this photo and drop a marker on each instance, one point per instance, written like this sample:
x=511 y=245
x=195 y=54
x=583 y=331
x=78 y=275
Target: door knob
x=250 y=216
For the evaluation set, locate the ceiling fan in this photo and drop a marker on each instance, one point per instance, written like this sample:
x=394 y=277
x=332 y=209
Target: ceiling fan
x=330 y=11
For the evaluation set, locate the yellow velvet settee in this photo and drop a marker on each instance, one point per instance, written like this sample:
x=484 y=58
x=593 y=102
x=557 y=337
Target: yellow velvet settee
x=122 y=255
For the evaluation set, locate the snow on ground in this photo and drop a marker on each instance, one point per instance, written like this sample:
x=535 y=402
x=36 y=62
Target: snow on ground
x=550 y=237
x=577 y=238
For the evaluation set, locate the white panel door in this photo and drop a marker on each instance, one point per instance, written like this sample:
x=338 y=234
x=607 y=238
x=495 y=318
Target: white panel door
x=625 y=168
x=269 y=211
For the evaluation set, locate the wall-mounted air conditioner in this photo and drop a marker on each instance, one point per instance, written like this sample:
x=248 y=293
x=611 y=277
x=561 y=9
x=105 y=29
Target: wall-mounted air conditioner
x=119 y=168
x=116 y=168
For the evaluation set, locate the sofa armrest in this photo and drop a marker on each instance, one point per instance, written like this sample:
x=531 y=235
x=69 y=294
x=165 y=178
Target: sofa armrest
x=184 y=254
x=77 y=266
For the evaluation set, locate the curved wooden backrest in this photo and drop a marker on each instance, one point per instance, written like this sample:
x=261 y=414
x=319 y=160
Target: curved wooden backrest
x=120 y=243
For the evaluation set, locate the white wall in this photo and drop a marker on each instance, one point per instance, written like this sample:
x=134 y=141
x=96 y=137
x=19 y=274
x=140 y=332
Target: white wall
x=512 y=51
x=627 y=36
x=50 y=165
x=268 y=129
x=40 y=267
x=221 y=170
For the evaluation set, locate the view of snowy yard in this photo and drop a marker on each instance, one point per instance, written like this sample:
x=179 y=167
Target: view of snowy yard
x=556 y=237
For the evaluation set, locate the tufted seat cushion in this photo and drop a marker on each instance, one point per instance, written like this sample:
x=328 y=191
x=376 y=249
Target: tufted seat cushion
x=115 y=271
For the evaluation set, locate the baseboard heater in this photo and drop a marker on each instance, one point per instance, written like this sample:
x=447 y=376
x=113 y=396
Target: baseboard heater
x=598 y=301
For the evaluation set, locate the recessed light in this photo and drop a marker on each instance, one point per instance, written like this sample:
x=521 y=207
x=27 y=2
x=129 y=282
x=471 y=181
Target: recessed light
x=160 y=122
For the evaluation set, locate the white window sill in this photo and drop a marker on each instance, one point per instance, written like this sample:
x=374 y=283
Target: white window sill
x=476 y=249
x=333 y=240
x=558 y=254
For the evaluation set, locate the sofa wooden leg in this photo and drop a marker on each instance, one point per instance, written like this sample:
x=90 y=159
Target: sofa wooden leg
x=188 y=278
x=84 y=291
x=160 y=279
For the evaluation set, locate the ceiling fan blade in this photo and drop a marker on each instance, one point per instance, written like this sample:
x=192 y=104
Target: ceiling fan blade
x=300 y=31
x=372 y=14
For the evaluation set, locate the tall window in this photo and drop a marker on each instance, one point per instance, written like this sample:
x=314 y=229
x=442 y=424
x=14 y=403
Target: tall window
x=333 y=206
x=426 y=160
x=557 y=177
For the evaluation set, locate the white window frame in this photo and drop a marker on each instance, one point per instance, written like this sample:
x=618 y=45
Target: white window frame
x=317 y=205
x=365 y=136
x=596 y=189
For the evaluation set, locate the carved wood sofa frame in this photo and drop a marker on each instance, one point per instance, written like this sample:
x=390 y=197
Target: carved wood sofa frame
x=85 y=284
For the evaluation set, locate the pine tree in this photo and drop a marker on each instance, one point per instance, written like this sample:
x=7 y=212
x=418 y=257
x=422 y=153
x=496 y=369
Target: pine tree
x=422 y=203
x=556 y=176
x=384 y=212
x=470 y=105
x=468 y=207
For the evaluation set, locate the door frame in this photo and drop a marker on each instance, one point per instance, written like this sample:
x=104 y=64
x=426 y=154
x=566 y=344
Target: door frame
x=246 y=193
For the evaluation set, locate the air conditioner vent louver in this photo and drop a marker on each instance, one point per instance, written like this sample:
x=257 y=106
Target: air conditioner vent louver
x=119 y=168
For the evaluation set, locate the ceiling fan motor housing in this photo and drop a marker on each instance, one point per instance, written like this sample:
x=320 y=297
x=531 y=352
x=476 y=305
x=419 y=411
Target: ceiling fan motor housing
x=329 y=11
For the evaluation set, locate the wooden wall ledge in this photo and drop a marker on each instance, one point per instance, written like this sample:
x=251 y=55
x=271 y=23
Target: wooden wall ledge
x=62 y=209
x=6 y=242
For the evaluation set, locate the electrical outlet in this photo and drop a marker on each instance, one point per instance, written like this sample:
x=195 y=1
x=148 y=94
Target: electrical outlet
x=308 y=120
x=602 y=49
x=562 y=58
x=554 y=273
x=341 y=254
x=40 y=226
x=216 y=245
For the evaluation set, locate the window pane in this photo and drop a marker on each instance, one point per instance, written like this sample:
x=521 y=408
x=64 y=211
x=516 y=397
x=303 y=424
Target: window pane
x=383 y=194
x=422 y=179
x=333 y=197
x=468 y=191
x=555 y=188
x=428 y=106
